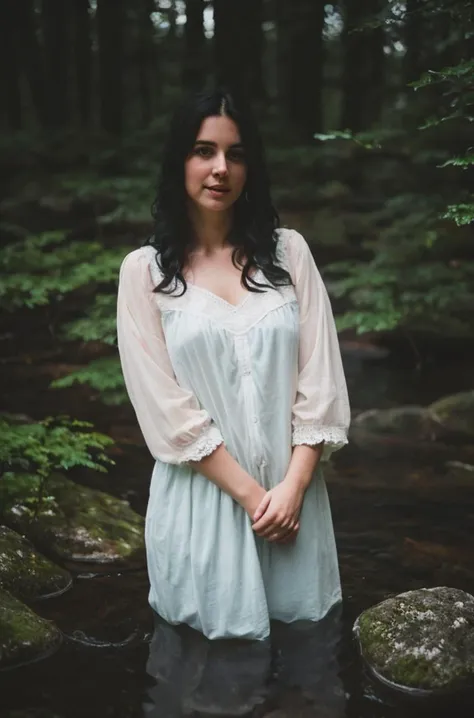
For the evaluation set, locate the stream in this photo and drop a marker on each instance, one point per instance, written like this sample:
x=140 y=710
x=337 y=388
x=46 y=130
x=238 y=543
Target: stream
x=399 y=523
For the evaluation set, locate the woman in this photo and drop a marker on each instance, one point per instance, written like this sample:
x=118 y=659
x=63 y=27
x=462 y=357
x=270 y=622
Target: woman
x=231 y=361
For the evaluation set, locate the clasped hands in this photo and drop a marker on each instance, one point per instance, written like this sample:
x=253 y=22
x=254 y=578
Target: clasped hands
x=276 y=517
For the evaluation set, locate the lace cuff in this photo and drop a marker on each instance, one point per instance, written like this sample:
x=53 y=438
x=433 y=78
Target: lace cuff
x=333 y=436
x=204 y=445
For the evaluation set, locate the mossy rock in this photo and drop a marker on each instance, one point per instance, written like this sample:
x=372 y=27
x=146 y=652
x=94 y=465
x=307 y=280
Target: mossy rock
x=420 y=642
x=406 y=425
x=82 y=526
x=405 y=421
x=25 y=572
x=456 y=412
x=24 y=636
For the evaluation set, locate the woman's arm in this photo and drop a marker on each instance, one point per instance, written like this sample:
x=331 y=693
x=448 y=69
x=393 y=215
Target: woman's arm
x=224 y=471
x=277 y=516
x=176 y=429
x=320 y=413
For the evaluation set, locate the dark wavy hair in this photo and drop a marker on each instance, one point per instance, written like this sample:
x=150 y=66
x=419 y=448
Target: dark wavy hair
x=255 y=219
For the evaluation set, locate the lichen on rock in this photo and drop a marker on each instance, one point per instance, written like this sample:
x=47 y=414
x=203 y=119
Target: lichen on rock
x=83 y=525
x=24 y=636
x=456 y=412
x=422 y=639
x=26 y=573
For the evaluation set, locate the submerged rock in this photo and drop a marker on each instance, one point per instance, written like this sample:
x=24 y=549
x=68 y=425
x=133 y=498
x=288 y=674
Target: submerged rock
x=460 y=473
x=456 y=413
x=421 y=641
x=24 y=636
x=413 y=423
x=25 y=572
x=83 y=526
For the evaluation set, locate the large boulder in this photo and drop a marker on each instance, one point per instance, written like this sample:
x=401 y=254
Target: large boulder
x=24 y=636
x=386 y=430
x=456 y=413
x=82 y=527
x=410 y=422
x=420 y=642
x=25 y=572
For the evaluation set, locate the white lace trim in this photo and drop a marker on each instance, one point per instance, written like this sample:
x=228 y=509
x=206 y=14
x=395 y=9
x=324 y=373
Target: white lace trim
x=204 y=445
x=237 y=319
x=334 y=437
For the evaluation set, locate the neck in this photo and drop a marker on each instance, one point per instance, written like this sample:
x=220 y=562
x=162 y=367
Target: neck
x=210 y=229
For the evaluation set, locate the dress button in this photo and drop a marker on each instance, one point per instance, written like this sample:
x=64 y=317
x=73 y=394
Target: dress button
x=255 y=419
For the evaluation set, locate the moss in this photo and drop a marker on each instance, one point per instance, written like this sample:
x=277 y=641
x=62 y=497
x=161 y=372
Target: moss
x=26 y=573
x=84 y=524
x=421 y=639
x=456 y=412
x=24 y=636
x=413 y=671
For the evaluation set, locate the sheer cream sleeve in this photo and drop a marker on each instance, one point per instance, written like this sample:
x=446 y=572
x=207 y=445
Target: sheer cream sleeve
x=175 y=428
x=321 y=410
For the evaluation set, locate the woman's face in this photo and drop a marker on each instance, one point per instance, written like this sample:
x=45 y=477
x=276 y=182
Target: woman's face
x=216 y=170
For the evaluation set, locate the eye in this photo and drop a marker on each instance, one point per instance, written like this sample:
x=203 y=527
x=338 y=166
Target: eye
x=203 y=151
x=237 y=155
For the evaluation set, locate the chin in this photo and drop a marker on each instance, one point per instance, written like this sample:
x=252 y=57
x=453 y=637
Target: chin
x=215 y=206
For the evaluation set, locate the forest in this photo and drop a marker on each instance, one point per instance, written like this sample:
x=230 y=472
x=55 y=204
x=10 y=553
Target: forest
x=366 y=108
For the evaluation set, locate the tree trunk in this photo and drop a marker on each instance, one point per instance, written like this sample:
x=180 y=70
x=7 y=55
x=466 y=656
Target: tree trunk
x=301 y=58
x=238 y=45
x=229 y=58
x=9 y=70
x=172 y=17
x=254 y=44
x=364 y=66
x=194 y=59
x=413 y=62
x=30 y=58
x=83 y=60
x=283 y=14
x=56 y=24
x=110 y=30
x=145 y=59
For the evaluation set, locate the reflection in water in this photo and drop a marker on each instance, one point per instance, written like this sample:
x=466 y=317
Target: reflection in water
x=194 y=676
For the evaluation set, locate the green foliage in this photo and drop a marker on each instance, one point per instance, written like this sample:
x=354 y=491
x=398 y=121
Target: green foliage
x=414 y=280
x=103 y=375
x=461 y=74
x=99 y=324
x=463 y=162
x=41 y=270
x=30 y=452
x=131 y=196
x=460 y=213
x=44 y=268
x=366 y=140
x=430 y=297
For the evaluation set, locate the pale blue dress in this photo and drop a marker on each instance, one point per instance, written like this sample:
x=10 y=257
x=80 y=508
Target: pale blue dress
x=261 y=377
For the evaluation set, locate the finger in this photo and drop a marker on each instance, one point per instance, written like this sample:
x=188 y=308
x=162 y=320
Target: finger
x=262 y=507
x=268 y=519
x=274 y=527
x=289 y=538
x=279 y=536
x=291 y=535
x=266 y=529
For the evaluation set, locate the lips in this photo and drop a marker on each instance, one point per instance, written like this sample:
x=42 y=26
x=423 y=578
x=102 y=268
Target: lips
x=221 y=190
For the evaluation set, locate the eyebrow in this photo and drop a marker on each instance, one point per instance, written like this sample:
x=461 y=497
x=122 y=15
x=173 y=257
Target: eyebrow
x=209 y=143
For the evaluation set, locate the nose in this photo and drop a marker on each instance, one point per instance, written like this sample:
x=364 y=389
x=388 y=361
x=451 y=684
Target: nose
x=220 y=165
